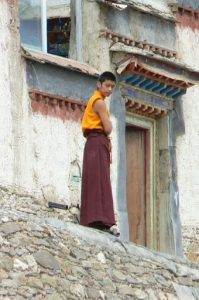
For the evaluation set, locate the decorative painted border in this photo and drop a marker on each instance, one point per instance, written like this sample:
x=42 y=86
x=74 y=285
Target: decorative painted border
x=137 y=107
x=138 y=78
x=116 y=37
x=149 y=124
x=132 y=91
x=56 y=106
x=145 y=103
x=141 y=70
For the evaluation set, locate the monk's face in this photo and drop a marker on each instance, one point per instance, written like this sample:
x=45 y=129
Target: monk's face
x=106 y=87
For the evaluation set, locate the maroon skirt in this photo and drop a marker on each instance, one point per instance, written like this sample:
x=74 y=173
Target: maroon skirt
x=96 y=193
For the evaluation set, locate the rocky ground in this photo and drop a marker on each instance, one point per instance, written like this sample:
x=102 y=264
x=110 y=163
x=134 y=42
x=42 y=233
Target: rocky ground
x=45 y=254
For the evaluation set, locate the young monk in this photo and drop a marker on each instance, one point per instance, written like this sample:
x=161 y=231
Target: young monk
x=96 y=198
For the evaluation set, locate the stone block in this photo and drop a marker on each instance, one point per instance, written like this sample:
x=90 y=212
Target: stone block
x=46 y=260
x=9 y=228
x=183 y=292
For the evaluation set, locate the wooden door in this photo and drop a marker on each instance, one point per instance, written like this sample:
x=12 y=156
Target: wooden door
x=137 y=183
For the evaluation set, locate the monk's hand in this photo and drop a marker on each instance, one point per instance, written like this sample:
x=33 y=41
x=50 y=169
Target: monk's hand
x=110 y=146
x=110 y=150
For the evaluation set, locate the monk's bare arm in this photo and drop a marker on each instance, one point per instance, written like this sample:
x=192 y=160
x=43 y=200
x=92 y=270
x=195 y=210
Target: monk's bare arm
x=99 y=107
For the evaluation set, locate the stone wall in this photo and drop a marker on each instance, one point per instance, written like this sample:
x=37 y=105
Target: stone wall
x=44 y=256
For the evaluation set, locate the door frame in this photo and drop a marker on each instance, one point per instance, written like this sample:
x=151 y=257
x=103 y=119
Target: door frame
x=151 y=218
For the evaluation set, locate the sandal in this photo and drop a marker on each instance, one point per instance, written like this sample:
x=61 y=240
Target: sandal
x=112 y=231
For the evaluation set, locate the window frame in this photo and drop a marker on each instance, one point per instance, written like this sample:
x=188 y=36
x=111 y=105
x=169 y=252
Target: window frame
x=44 y=31
x=79 y=30
x=44 y=26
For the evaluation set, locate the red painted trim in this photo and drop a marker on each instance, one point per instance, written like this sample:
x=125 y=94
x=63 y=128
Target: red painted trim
x=56 y=106
x=187 y=20
x=144 y=109
x=183 y=9
x=138 y=69
x=186 y=16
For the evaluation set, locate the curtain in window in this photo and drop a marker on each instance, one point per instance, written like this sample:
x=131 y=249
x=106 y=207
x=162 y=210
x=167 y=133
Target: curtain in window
x=58 y=27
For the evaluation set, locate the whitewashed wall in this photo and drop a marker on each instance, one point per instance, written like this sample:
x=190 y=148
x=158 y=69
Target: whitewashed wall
x=9 y=89
x=56 y=158
x=40 y=155
x=115 y=160
x=188 y=144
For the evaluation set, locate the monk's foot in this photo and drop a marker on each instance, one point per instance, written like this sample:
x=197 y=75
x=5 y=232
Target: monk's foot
x=113 y=230
x=105 y=228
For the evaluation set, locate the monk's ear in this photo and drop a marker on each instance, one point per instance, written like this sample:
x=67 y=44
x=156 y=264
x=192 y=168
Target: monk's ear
x=99 y=84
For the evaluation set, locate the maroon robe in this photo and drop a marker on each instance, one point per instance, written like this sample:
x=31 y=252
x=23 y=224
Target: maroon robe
x=96 y=195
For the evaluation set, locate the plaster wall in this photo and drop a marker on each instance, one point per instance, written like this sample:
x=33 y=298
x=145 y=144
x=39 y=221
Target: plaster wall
x=188 y=160
x=56 y=146
x=95 y=49
x=188 y=46
x=142 y=26
x=6 y=137
x=37 y=154
x=12 y=105
x=187 y=143
x=57 y=151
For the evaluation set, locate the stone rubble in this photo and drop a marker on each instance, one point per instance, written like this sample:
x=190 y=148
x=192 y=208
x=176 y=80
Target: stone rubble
x=45 y=254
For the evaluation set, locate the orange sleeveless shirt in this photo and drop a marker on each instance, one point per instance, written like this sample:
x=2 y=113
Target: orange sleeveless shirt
x=91 y=120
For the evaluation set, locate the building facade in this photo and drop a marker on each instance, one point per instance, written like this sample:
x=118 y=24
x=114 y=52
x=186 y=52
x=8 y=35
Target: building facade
x=153 y=50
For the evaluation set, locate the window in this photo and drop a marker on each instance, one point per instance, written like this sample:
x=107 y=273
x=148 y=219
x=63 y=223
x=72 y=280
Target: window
x=45 y=25
x=30 y=23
